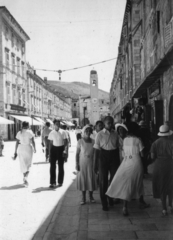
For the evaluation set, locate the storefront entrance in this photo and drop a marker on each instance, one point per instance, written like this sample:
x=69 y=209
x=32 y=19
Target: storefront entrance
x=171 y=113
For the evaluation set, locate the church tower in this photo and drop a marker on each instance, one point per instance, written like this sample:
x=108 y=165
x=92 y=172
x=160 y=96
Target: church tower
x=94 y=93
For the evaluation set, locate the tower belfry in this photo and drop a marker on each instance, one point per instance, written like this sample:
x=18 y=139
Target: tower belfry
x=94 y=93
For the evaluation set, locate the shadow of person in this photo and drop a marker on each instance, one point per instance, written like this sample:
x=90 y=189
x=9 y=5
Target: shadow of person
x=14 y=187
x=42 y=189
x=37 y=163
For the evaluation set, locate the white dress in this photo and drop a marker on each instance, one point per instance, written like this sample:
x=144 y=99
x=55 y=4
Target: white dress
x=127 y=183
x=25 y=150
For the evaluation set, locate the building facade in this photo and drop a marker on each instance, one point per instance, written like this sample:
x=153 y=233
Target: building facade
x=142 y=86
x=23 y=94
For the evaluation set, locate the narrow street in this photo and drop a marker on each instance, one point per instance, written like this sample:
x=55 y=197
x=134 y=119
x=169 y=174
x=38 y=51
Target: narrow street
x=38 y=213
x=24 y=210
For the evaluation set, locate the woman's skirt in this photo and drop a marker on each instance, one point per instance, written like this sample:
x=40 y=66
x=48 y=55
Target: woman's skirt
x=25 y=153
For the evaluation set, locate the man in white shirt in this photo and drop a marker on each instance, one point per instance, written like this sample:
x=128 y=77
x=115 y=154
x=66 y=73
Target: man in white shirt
x=107 y=154
x=57 y=152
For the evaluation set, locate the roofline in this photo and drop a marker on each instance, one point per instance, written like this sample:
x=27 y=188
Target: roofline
x=26 y=35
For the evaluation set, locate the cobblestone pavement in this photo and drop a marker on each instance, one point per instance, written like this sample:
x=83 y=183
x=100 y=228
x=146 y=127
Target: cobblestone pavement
x=39 y=213
x=89 y=222
x=25 y=213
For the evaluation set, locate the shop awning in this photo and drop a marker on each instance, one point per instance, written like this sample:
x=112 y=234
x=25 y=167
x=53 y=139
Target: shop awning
x=40 y=120
x=49 y=121
x=5 y=121
x=31 y=121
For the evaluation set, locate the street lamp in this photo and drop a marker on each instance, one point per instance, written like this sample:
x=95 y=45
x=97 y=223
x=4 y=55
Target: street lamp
x=84 y=109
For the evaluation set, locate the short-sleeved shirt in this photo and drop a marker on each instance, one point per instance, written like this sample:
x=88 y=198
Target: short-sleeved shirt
x=106 y=140
x=57 y=137
x=25 y=136
x=162 y=148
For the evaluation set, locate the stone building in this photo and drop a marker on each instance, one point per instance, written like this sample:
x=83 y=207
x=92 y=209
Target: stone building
x=24 y=96
x=146 y=93
x=13 y=81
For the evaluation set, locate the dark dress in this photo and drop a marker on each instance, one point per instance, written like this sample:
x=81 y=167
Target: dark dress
x=163 y=167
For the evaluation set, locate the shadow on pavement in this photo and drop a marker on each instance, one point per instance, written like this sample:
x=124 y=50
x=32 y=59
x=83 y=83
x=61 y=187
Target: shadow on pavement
x=14 y=187
x=36 y=163
x=45 y=230
x=42 y=189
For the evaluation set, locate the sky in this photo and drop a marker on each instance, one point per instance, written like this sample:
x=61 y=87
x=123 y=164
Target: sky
x=67 y=34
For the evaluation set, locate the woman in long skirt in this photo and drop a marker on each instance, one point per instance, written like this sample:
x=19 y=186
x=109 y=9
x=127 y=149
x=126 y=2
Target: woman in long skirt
x=86 y=178
x=162 y=153
x=25 y=145
x=127 y=183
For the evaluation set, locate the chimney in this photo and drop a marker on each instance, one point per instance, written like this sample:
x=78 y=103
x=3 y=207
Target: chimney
x=45 y=80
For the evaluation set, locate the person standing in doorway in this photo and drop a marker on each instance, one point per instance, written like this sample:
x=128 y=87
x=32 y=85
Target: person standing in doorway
x=45 y=141
x=25 y=146
x=57 y=152
x=107 y=153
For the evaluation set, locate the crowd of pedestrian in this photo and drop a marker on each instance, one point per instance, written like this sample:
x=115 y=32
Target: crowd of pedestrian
x=115 y=157
x=119 y=157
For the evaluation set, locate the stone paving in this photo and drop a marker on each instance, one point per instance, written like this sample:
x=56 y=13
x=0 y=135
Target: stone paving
x=89 y=222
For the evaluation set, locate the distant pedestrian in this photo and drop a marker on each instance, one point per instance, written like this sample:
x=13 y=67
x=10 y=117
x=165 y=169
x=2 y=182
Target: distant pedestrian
x=122 y=133
x=25 y=146
x=86 y=178
x=64 y=127
x=127 y=183
x=78 y=133
x=1 y=145
x=57 y=152
x=45 y=141
x=107 y=153
x=162 y=153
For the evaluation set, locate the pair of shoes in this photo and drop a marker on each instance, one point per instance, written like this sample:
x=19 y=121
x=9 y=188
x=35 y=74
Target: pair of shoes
x=52 y=185
x=164 y=213
x=144 y=205
x=92 y=200
x=125 y=212
x=170 y=210
x=59 y=184
x=105 y=209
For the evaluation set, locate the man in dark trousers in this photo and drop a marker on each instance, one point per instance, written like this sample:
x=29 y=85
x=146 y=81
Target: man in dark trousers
x=57 y=152
x=107 y=153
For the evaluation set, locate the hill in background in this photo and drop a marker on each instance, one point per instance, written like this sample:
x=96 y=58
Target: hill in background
x=74 y=89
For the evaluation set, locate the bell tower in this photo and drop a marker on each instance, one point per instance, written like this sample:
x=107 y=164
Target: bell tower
x=94 y=92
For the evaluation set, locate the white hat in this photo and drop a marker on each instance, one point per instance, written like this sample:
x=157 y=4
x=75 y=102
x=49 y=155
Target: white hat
x=164 y=131
x=84 y=129
x=117 y=125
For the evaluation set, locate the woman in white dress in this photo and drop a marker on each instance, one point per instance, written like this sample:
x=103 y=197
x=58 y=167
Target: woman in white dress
x=25 y=145
x=127 y=183
x=86 y=178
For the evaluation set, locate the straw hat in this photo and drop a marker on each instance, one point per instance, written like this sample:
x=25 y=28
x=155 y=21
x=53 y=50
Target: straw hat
x=121 y=125
x=164 y=131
